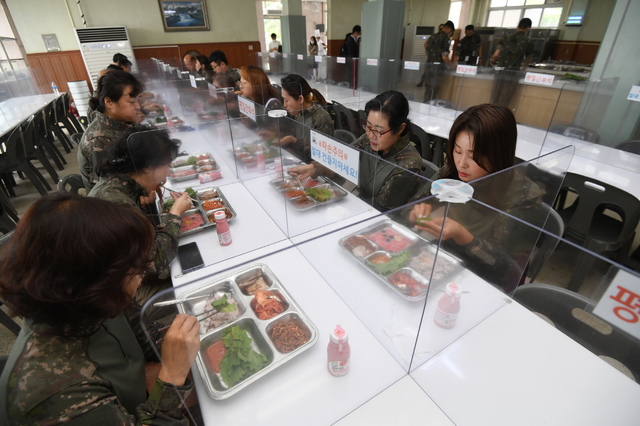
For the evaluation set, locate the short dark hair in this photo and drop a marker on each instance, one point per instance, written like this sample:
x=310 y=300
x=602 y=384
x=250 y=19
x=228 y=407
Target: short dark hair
x=470 y=28
x=204 y=61
x=140 y=147
x=223 y=79
x=525 y=23
x=449 y=24
x=356 y=29
x=394 y=107
x=273 y=35
x=218 y=56
x=494 y=132
x=112 y=85
x=296 y=85
x=124 y=63
x=118 y=57
x=70 y=256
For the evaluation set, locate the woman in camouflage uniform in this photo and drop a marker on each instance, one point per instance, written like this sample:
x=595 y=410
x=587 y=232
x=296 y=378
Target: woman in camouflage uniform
x=137 y=164
x=305 y=106
x=390 y=165
x=73 y=267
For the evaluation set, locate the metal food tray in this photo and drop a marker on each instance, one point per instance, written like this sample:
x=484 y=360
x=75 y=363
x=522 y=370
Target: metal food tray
x=253 y=156
x=205 y=213
x=257 y=329
x=193 y=167
x=322 y=183
x=414 y=249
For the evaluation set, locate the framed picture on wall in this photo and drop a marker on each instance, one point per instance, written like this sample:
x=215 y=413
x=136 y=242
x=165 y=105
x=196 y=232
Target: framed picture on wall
x=184 y=15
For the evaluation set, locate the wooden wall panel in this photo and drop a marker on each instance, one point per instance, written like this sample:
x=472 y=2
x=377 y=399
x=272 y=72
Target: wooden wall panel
x=60 y=67
x=238 y=53
x=581 y=52
x=333 y=47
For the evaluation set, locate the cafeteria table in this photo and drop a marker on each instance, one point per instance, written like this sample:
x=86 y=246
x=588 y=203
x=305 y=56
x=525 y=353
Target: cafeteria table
x=15 y=110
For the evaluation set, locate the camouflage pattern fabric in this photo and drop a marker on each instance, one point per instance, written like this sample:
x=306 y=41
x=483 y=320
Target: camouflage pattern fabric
x=316 y=118
x=101 y=134
x=468 y=46
x=513 y=49
x=87 y=373
x=120 y=188
x=437 y=46
x=388 y=184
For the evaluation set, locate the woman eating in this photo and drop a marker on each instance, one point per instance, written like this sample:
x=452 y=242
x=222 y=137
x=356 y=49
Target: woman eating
x=80 y=356
x=305 y=106
x=115 y=103
x=482 y=141
x=390 y=164
x=204 y=69
x=255 y=85
x=137 y=165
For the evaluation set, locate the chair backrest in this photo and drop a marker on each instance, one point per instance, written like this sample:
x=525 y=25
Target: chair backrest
x=29 y=136
x=344 y=135
x=576 y=132
x=546 y=244
x=346 y=119
x=344 y=84
x=594 y=196
x=14 y=153
x=629 y=146
x=7 y=224
x=429 y=169
x=70 y=184
x=76 y=138
x=443 y=103
x=421 y=139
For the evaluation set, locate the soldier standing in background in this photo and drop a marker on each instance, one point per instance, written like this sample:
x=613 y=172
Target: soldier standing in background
x=437 y=47
x=469 y=49
x=507 y=58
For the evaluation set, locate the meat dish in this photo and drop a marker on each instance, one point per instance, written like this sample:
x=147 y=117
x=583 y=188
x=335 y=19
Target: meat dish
x=252 y=282
x=405 y=281
x=423 y=263
x=215 y=354
x=390 y=240
x=293 y=193
x=207 y=194
x=303 y=202
x=183 y=173
x=191 y=221
x=267 y=306
x=359 y=246
x=288 y=336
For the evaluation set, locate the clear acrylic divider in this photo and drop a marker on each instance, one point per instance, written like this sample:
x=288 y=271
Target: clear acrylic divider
x=471 y=86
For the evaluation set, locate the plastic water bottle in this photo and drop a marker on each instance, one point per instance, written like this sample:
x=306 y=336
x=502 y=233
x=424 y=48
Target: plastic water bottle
x=54 y=87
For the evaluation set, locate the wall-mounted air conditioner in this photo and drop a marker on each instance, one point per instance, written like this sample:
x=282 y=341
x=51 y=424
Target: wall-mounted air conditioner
x=99 y=44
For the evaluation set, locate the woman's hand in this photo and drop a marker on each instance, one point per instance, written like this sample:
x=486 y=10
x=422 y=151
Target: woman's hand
x=420 y=211
x=181 y=204
x=179 y=349
x=267 y=135
x=287 y=140
x=452 y=229
x=303 y=171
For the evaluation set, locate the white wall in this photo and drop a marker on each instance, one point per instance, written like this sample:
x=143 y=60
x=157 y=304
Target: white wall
x=230 y=20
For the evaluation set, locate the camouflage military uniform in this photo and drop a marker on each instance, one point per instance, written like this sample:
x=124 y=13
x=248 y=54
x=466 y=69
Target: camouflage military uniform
x=513 y=49
x=316 y=118
x=467 y=50
x=388 y=184
x=86 y=374
x=437 y=46
x=122 y=189
x=101 y=134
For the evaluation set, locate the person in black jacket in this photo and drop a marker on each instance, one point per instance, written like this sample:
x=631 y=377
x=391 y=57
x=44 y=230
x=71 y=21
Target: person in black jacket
x=352 y=50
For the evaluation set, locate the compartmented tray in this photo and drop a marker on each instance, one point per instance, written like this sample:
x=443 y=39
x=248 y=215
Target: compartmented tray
x=299 y=196
x=199 y=214
x=181 y=171
x=241 y=287
x=246 y=154
x=401 y=259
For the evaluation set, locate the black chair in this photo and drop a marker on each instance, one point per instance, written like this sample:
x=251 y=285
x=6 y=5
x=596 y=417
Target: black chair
x=46 y=140
x=344 y=135
x=629 y=146
x=346 y=119
x=603 y=339
x=5 y=319
x=7 y=206
x=576 y=132
x=429 y=169
x=14 y=159
x=53 y=127
x=76 y=138
x=66 y=100
x=70 y=184
x=34 y=150
x=421 y=139
x=546 y=244
x=586 y=222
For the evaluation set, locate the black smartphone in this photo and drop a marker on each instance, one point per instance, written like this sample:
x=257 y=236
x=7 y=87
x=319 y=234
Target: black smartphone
x=190 y=258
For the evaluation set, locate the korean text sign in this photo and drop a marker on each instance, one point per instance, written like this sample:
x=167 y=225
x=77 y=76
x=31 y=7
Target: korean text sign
x=336 y=156
x=620 y=304
x=536 y=78
x=247 y=107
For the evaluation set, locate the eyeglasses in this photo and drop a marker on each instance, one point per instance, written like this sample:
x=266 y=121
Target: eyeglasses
x=376 y=133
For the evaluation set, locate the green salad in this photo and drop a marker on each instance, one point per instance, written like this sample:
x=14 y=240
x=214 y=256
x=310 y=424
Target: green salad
x=240 y=361
x=319 y=194
x=396 y=262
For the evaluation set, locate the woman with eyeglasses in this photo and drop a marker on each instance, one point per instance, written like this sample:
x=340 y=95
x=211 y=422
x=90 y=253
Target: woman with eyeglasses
x=136 y=167
x=305 y=106
x=390 y=183
x=72 y=268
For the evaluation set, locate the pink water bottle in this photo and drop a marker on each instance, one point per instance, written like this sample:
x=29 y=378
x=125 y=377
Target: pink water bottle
x=167 y=113
x=262 y=165
x=448 y=306
x=339 y=352
x=222 y=227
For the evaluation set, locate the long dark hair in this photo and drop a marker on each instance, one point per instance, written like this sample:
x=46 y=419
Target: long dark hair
x=494 y=132
x=394 y=107
x=204 y=61
x=263 y=90
x=70 y=257
x=296 y=86
x=140 y=147
x=112 y=85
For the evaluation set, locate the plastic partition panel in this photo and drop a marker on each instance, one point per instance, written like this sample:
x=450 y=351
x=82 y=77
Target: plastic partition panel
x=298 y=379
x=472 y=89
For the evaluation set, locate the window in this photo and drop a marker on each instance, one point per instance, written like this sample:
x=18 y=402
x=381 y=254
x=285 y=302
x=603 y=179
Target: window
x=11 y=55
x=507 y=13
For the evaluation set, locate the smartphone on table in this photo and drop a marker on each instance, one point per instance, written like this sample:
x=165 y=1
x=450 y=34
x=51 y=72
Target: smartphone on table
x=190 y=258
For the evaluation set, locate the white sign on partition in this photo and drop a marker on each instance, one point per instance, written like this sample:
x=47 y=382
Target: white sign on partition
x=634 y=94
x=247 y=107
x=212 y=91
x=341 y=60
x=373 y=62
x=300 y=57
x=178 y=72
x=336 y=156
x=167 y=67
x=318 y=58
x=285 y=55
x=193 y=81
x=259 y=53
x=411 y=65
x=620 y=304
x=272 y=54
x=467 y=69
x=537 y=78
